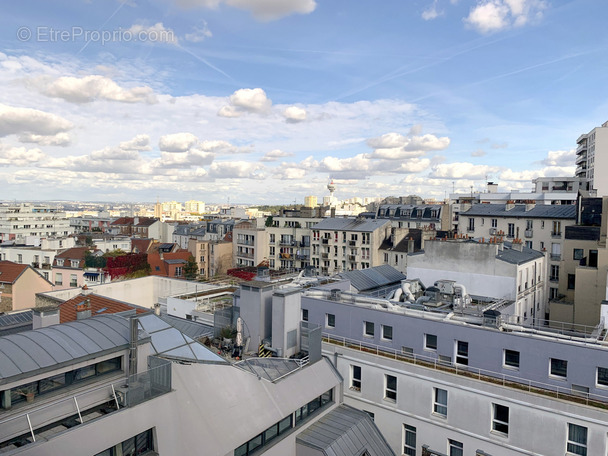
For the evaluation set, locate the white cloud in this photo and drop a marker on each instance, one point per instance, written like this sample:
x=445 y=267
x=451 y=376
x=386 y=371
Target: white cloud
x=30 y=121
x=250 y=100
x=199 y=33
x=560 y=158
x=96 y=87
x=432 y=12
x=293 y=114
x=19 y=156
x=495 y=15
x=270 y=10
x=229 y=111
x=177 y=142
x=394 y=146
x=275 y=155
x=139 y=142
x=235 y=169
x=361 y=166
x=478 y=153
x=462 y=170
x=60 y=139
x=114 y=153
x=156 y=33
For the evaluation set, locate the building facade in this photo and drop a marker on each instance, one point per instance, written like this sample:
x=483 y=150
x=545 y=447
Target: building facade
x=18 y=222
x=592 y=158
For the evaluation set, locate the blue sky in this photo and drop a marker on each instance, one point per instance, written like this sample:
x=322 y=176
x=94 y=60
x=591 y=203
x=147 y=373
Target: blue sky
x=263 y=101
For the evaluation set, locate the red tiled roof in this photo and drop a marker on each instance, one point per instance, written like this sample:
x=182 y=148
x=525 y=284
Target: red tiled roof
x=10 y=272
x=99 y=305
x=123 y=221
x=146 y=221
x=141 y=245
x=75 y=253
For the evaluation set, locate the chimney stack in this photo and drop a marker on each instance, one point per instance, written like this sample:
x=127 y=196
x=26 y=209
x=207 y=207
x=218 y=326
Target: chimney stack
x=83 y=310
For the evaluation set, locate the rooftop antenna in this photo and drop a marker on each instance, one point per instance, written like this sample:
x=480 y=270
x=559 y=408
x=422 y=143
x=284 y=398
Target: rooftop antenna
x=453 y=187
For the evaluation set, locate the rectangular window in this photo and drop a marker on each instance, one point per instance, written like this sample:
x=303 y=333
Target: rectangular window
x=511 y=359
x=462 y=353
x=578 y=254
x=387 y=332
x=511 y=230
x=73 y=280
x=592 y=259
x=471 y=224
x=390 y=387
x=304 y=314
x=455 y=448
x=440 y=402
x=577 y=440
x=571 y=281
x=368 y=328
x=602 y=376
x=330 y=320
x=559 y=367
x=58 y=279
x=409 y=440
x=430 y=341
x=355 y=377
x=494 y=223
x=500 y=418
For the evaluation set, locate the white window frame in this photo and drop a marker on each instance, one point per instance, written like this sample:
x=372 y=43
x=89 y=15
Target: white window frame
x=455 y=448
x=597 y=377
x=384 y=334
x=573 y=446
x=554 y=375
x=327 y=318
x=389 y=392
x=426 y=342
x=461 y=357
x=438 y=407
x=504 y=359
x=367 y=333
x=355 y=381
x=497 y=424
x=409 y=446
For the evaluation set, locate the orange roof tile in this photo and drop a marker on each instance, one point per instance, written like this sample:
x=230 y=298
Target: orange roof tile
x=10 y=272
x=99 y=305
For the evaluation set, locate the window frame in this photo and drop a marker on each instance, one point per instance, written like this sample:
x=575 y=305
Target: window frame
x=330 y=320
x=573 y=446
x=506 y=364
x=555 y=368
x=440 y=409
x=385 y=335
x=355 y=381
x=426 y=342
x=409 y=445
x=462 y=357
x=390 y=394
x=497 y=422
x=366 y=332
x=604 y=383
x=455 y=448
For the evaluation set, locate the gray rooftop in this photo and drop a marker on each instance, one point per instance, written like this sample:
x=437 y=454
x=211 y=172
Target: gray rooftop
x=370 y=278
x=48 y=348
x=190 y=328
x=566 y=211
x=350 y=224
x=270 y=369
x=15 y=322
x=514 y=256
x=345 y=431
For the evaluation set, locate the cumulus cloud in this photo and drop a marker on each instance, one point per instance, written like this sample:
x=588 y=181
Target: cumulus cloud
x=262 y=10
x=462 y=170
x=60 y=139
x=199 y=33
x=96 y=87
x=293 y=114
x=177 y=142
x=235 y=169
x=246 y=100
x=431 y=12
x=560 y=158
x=139 y=142
x=394 y=146
x=114 y=153
x=494 y=15
x=156 y=33
x=275 y=155
x=24 y=121
x=19 y=156
x=362 y=166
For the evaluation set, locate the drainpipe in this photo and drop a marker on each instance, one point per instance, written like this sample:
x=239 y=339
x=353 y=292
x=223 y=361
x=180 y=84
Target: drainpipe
x=133 y=339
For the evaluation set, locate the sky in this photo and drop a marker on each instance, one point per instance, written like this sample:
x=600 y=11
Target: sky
x=265 y=101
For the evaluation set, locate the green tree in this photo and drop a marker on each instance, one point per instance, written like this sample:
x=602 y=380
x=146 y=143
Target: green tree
x=269 y=220
x=191 y=268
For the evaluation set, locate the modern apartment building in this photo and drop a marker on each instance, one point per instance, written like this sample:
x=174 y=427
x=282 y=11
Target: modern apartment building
x=289 y=242
x=540 y=227
x=212 y=257
x=22 y=221
x=344 y=244
x=249 y=243
x=592 y=158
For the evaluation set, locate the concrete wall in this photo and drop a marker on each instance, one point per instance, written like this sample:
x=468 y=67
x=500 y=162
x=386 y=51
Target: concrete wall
x=286 y=317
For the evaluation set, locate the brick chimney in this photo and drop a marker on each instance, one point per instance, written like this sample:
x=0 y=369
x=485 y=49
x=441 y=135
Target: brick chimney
x=83 y=309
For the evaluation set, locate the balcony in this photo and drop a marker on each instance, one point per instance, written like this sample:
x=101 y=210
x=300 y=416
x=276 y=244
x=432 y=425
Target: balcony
x=556 y=234
x=244 y=241
x=325 y=256
x=325 y=241
x=287 y=243
x=556 y=256
x=528 y=233
x=352 y=258
x=244 y=255
x=553 y=279
x=352 y=243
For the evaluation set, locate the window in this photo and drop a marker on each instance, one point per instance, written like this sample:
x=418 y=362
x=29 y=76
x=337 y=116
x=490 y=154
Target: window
x=500 y=419
x=387 y=332
x=368 y=328
x=409 y=440
x=571 y=281
x=73 y=280
x=390 y=387
x=578 y=254
x=559 y=367
x=74 y=263
x=355 y=377
x=455 y=448
x=529 y=224
x=528 y=244
x=577 y=440
x=304 y=314
x=511 y=359
x=557 y=229
x=494 y=223
x=602 y=376
x=330 y=320
x=58 y=278
x=430 y=342
x=471 y=224
x=554 y=275
x=511 y=230
x=592 y=259
x=462 y=353
x=440 y=402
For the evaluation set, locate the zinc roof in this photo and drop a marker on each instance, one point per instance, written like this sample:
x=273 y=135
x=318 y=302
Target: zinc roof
x=565 y=211
x=350 y=224
x=370 y=278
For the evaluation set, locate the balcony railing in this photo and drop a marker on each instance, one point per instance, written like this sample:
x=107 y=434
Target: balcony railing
x=352 y=243
x=244 y=241
x=325 y=255
x=528 y=233
x=352 y=258
x=325 y=240
x=556 y=256
x=556 y=234
x=244 y=255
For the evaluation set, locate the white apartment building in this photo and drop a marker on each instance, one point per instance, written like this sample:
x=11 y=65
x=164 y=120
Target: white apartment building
x=499 y=271
x=540 y=227
x=289 y=242
x=18 y=222
x=249 y=243
x=345 y=244
x=592 y=158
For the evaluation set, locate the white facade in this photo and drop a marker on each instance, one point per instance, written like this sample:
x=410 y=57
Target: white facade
x=592 y=158
x=17 y=222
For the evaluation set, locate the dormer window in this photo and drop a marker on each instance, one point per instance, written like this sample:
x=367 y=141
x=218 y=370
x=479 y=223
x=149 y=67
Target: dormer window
x=75 y=263
x=59 y=262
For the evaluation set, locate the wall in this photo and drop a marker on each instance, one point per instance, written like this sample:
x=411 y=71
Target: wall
x=26 y=287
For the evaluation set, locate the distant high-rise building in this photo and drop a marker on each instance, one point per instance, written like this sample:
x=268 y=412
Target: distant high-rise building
x=310 y=201
x=592 y=158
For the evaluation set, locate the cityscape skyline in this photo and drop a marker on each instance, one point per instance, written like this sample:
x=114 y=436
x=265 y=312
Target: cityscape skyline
x=136 y=101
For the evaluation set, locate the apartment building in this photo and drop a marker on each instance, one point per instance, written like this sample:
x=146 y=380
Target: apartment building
x=592 y=158
x=212 y=257
x=428 y=216
x=499 y=271
x=540 y=227
x=438 y=382
x=70 y=269
x=22 y=221
x=249 y=243
x=19 y=284
x=584 y=267
x=289 y=242
x=344 y=244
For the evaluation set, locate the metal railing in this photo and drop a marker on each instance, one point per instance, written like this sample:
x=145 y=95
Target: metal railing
x=497 y=378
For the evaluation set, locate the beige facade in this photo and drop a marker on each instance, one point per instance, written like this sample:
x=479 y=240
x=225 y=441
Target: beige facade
x=21 y=294
x=212 y=257
x=249 y=243
x=289 y=244
x=346 y=244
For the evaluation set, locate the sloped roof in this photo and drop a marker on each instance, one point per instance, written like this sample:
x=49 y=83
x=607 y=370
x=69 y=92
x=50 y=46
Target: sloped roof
x=45 y=349
x=74 y=253
x=370 y=278
x=345 y=431
x=350 y=224
x=99 y=305
x=565 y=211
x=514 y=256
x=10 y=272
x=190 y=328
